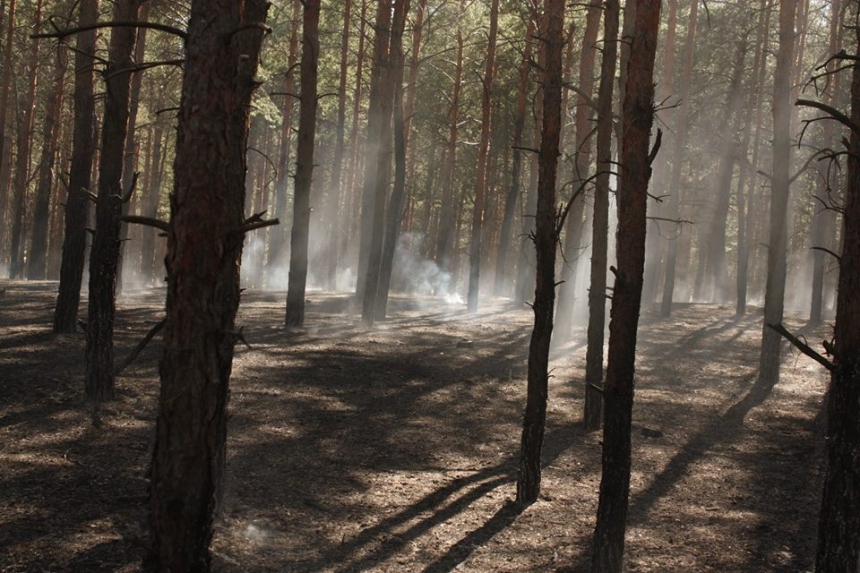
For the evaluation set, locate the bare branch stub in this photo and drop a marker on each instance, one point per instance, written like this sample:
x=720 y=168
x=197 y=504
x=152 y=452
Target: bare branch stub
x=802 y=346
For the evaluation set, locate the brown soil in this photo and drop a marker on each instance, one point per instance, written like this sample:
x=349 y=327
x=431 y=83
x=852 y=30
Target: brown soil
x=396 y=449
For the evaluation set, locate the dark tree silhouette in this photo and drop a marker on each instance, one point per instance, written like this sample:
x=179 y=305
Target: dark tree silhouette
x=204 y=251
x=545 y=239
x=304 y=168
x=637 y=117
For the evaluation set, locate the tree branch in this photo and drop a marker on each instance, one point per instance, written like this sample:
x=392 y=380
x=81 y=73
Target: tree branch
x=148 y=221
x=802 y=346
x=139 y=348
x=61 y=34
x=832 y=112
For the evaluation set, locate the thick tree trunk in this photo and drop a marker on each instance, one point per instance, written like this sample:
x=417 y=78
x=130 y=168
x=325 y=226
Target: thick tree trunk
x=304 y=167
x=104 y=258
x=37 y=261
x=600 y=226
x=22 y=157
x=776 y=258
x=513 y=194
x=83 y=149
x=637 y=117
x=204 y=253
x=545 y=239
x=481 y=170
x=839 y=525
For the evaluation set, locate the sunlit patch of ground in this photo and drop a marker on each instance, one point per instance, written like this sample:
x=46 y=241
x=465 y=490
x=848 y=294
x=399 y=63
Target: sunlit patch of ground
x=395 y=449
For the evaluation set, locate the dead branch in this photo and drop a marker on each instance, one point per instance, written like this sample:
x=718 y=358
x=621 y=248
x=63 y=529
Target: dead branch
x=828 y=251
x=127 y=197
x=148 y=221
x=832 y=112
x=654 y=150
x=802 y=346
x=139 y=348
x=61 y=34
x=248 y=227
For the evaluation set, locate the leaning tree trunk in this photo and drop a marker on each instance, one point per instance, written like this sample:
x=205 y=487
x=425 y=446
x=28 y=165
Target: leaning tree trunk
x=304 y=168
x=637 y=117
x=774 y=297
x=83 y=148
x=481 y=170
x=545 y=239
x=104 y=257
x=839 y=525
x=600 y=225
x=203 y=255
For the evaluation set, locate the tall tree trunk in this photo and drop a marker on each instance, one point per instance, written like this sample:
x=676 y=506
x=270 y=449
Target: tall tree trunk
x=679 y=144
x=204 y=253
x=394 y=214
x=37 y=261
x=656 y=246
x=716 y=271
x=83 y=149
x=600 y=226
x=447 y=214
x=377 y=144
x=304 y=167
x=637 y=117
x=776 y=258
x=545 y=239
x=526 y=260
x=513 y=194
x=839 y=525
x=351 y=237
x=333 y=223
x=104 y=257
x=381 y=173
x=481 y=170
x=744 y=245
x=22 y=157
x=151 y=199
x=131 y=152
x=582 y=164
x=4 y=114
x=277 y=235
x=823 y=223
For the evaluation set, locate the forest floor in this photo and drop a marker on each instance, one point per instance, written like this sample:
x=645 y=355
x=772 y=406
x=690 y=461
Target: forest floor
x=396 y=449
